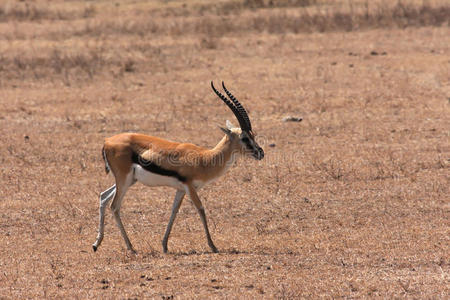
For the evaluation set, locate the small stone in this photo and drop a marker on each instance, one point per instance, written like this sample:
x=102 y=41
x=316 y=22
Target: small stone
x=292 y=119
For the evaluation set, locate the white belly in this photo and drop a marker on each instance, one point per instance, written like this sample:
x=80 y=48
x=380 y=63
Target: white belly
x=152 y=179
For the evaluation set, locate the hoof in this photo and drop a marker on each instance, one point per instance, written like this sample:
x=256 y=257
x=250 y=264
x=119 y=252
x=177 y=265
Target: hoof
x=94 y=247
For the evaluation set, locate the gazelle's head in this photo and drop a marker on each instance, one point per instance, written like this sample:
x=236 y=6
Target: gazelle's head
x=244 y=135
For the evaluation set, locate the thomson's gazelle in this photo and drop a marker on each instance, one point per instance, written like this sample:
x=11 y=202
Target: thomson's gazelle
x=186 y=167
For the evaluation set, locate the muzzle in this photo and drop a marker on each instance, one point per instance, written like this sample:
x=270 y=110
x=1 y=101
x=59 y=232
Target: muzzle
x=259 y=153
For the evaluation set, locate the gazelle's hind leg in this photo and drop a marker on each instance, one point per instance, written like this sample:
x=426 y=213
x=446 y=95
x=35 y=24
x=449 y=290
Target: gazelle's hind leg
x=117 y=202
x=105 y=197
x=176 y=206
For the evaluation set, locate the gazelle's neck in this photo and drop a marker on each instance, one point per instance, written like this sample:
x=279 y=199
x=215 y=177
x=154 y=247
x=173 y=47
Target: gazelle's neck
x=225 y=152
x=216 y=161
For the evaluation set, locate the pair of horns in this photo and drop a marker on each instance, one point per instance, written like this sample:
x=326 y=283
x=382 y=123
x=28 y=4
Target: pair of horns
x=236 y=107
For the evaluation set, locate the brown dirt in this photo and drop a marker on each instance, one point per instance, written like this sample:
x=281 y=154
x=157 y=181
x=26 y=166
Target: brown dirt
x=351 y=202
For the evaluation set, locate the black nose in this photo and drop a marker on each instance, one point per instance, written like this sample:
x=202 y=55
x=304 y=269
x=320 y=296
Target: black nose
x=260 y=153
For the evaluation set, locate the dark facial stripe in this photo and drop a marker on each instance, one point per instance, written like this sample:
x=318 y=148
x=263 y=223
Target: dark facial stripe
x=154 y=168
x=246 y=142
x=249 y=146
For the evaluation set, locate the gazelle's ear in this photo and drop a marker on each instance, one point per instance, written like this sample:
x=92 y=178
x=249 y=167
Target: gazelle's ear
x=225 y=130
x=230 y=125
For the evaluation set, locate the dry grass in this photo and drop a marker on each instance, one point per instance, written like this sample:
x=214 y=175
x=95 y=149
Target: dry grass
x=36 y=12
x=82 y=48
x=351 y=202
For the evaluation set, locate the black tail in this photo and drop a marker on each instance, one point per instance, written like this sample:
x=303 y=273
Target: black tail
x=107 y=168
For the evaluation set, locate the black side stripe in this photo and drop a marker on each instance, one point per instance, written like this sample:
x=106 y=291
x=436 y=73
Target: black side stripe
x=154 y=168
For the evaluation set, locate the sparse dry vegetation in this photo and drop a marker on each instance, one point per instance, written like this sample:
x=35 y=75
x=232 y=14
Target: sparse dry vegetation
x=351 y=202
x=35 y=12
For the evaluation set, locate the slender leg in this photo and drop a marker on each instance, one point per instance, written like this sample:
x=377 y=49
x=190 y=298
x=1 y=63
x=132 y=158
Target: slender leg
x=105 y=197
x=198 y=204
x=176 y=206
x=115 y=206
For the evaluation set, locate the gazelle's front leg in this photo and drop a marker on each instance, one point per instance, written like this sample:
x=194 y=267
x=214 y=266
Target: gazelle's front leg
x=176 y=206
x=105 y=197
x=201 y=211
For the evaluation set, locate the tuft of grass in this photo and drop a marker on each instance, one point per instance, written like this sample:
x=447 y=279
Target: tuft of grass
x=26 y=11
x=54 y=63
x=209 y=42
x=254 y=4
x=399 y=16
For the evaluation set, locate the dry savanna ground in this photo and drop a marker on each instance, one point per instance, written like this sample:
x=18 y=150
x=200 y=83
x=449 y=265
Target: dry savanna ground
x=351 y=202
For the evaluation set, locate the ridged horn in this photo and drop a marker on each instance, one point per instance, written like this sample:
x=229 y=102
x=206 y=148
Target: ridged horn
x=239 y=107
x=242 y=122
